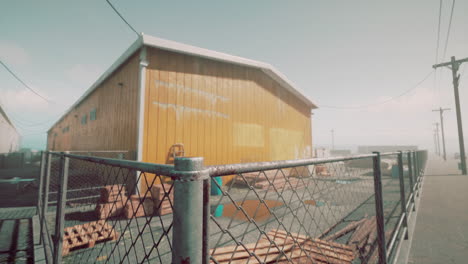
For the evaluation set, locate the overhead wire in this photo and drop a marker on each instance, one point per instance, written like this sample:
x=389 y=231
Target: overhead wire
x=120 y=15
x=381 y=102
x=438 y=33
x=23 y=83
x=448 y=30
x=435 y=85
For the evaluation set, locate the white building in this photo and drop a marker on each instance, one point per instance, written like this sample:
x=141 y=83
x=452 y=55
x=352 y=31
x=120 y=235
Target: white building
x=9 y=136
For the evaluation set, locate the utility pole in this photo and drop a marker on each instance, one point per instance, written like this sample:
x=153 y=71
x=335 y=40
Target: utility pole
x=435 y=142
x=437 y=138
x=441 y=111
x=454 y=65
x=333 y=138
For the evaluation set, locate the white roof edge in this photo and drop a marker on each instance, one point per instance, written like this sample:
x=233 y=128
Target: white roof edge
x=201 y=52
x=191 y=50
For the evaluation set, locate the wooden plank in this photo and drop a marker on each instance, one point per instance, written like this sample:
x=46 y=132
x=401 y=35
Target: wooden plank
x=162 y=90
x=325 y=245
x=350 y=227
x=364 y=230
x=179 y=98
x=242 y=254
x=171 y=105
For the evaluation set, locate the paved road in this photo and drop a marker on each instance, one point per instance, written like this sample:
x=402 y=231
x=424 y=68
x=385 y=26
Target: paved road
x=441 y=234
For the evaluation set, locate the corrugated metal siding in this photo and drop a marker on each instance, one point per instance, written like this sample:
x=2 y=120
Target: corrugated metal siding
x=115 y=127
x=223 y=112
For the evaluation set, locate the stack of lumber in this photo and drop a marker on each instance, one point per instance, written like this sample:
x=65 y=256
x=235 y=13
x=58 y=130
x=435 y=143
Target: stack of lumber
x=111 y=202
x=363 y=237
x=292 y=248
x=139 y=206
x=87 y=235
x=162 y=202
x=271 y=179
x=322 y=170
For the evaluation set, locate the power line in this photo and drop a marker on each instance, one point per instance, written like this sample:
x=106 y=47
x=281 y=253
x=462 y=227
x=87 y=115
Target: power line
x=126 y=22
x=448 y=31
x=382 y=102
x=438 y=33
x=25 y=85
x=436 y=87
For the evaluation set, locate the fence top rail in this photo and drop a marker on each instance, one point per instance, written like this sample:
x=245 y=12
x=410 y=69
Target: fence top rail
x=160 y=169
x=229 y=169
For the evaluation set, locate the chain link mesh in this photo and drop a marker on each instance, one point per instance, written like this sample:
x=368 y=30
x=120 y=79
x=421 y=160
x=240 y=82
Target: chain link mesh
x=296 y=215
x=113 y=214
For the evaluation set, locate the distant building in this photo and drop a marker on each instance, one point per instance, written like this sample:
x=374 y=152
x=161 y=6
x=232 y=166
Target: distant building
x=389 y=148
x=9 y=136
x=321 y=152
x=340 y=152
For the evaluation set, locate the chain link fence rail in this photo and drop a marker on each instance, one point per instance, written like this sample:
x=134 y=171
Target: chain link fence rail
x=338 y=210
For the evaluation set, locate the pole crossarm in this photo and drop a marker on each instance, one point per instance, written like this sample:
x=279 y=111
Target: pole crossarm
x=441 y=112
x=449 y=63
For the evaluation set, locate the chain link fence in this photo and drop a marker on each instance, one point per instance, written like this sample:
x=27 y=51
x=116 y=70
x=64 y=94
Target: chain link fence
x=109 y=209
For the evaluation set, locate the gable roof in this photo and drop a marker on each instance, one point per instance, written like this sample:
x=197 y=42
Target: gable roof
x=150 y=41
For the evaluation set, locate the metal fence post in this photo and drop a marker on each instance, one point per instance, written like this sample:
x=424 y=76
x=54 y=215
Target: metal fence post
x=410 y=176
x=187 y=239
x=379 y=209
x=40 y=189
x=60 y=216
x=206 y=220
x=416 y=177
x=402 y=192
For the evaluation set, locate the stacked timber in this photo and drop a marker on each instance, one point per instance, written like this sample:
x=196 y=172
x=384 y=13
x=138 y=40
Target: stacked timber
x=280 y=246
x=162 y=201
x=322 y=170
x=271 y=179
x=363 y=236
x=87 y=235
x=139 y=206
x=111 y=201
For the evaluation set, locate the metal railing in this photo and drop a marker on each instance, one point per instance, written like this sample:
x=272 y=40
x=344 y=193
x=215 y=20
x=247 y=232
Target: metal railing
x=337 y=210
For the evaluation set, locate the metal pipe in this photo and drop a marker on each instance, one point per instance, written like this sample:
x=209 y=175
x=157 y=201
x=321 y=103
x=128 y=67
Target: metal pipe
x=159 y=169
x=188 y=213
x=45 y=196
x=410 y=176
x=402 y=191
x=81 y=189
x=206 y=221
x=409 y=202
x=379 y=209
x=221 y=170
x=39 y=191
x=395 y=235
x=416 y=175
x=77 y=199
x=141 y=111
x=60 y=216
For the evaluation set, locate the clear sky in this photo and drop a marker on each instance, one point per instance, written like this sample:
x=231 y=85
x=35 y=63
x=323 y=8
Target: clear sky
x=340 y=53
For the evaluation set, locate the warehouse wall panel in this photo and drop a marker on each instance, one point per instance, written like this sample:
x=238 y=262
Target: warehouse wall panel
x=223 y=112
x=115 y=103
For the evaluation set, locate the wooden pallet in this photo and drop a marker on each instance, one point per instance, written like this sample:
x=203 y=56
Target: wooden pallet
x=87 y=235
x=280 y=247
